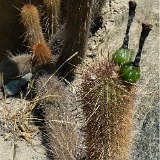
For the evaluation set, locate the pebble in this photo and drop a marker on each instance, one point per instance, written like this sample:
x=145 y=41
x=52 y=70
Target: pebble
x=12 y=87
x=91 y=55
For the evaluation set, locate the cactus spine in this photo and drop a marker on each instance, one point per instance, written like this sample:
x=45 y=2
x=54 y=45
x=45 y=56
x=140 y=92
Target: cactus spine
x=108 y=108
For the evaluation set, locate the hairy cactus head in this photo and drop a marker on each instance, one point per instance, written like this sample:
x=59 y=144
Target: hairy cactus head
x=41 y=54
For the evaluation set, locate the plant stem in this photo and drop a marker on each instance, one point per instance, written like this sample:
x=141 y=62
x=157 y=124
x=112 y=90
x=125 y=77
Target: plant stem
x=132 y=8
x=146 y=28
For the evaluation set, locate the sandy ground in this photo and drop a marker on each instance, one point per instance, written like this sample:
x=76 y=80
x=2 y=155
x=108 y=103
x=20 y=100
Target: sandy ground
x=108 y=39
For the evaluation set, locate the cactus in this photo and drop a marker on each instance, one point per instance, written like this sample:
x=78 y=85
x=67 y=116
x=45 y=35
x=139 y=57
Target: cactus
x=31 y=20
x=108 y=108
x=107 y=100
x=41 y=52
x=53 y=16
x=60 y=125
x=75 y=35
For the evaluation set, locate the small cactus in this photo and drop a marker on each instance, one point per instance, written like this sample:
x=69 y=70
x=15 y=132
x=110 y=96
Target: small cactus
x=31 y=20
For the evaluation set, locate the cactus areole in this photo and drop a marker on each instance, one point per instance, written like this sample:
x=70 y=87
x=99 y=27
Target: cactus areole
x=131 y=71
x=124 y=55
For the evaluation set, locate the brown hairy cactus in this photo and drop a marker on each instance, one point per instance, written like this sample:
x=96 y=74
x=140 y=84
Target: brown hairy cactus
x=53 y=15
x=41 y=54
x=108 y=108
x=60 y=125
x=75 y=34
x=31 y=20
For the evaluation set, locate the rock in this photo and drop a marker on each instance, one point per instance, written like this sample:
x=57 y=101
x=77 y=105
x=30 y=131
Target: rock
x=91 y=55
x=146 y=145
x=12 y=87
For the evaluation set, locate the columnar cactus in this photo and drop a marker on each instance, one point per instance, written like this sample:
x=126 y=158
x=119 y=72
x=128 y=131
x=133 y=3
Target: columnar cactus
x=75 y=34
x=41 y=52
x=64 y=140
x=108 y=108
x=31 y=20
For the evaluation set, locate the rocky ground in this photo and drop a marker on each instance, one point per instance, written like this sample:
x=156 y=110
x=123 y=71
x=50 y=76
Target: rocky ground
x=107 y=40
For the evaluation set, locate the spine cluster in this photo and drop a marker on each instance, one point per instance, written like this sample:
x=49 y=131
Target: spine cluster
x=64 y=140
